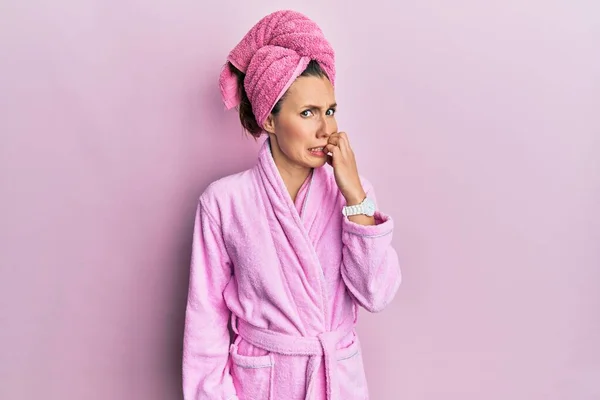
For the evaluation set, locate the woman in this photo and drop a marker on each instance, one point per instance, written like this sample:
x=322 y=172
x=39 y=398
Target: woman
x=290 y=248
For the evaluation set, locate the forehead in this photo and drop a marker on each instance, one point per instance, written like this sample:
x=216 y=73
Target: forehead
x=311 y=90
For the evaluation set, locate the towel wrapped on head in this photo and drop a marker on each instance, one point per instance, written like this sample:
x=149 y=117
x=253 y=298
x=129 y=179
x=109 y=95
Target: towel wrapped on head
x=272 y=55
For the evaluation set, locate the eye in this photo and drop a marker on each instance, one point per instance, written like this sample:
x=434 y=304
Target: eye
x=305 y=113
x=331 y=111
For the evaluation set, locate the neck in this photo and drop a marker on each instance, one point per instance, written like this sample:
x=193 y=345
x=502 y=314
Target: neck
x=293 y=175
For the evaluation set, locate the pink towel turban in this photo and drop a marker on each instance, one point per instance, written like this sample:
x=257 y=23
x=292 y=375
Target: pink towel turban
x=272 y=55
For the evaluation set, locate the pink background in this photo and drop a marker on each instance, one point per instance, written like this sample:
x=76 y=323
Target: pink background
x=476 y=121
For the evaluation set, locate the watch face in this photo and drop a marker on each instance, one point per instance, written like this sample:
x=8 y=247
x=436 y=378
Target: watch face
x=369 y=207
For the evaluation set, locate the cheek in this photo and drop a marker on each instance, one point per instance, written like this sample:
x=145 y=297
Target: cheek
x=298 y=131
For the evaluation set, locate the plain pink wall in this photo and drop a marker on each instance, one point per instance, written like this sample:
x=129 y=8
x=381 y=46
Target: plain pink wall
x=476 y=121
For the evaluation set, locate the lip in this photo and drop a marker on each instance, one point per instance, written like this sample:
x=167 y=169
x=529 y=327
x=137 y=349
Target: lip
x=321 y=153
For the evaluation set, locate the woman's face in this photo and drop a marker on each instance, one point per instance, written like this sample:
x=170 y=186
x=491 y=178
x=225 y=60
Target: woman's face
x=301 y=128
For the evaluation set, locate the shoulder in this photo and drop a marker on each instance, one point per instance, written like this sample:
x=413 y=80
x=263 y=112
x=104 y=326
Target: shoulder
x=224 y=190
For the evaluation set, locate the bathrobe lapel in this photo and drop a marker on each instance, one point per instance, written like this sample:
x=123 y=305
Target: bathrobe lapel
x=289 y=232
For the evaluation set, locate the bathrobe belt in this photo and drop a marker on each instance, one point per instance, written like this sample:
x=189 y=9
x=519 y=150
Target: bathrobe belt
x=321 y=346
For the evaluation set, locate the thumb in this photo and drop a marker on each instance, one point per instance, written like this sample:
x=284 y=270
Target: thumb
x=330 y=149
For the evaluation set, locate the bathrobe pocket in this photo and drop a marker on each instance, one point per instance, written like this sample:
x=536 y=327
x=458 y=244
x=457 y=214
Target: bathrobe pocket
x=252 y=375
x=351 y=373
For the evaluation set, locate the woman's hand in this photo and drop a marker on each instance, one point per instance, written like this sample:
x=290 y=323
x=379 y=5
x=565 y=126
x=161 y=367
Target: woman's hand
x=344 y=167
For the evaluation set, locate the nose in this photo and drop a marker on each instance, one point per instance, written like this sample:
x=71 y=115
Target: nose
x=326 y=127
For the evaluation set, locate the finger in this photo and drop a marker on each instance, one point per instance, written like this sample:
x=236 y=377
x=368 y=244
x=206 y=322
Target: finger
x=344 y=142
x=332 y=149
x=334 y=139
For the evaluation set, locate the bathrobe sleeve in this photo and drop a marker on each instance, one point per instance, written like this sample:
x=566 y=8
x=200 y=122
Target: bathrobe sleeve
x=370 y=267
x=206 y=338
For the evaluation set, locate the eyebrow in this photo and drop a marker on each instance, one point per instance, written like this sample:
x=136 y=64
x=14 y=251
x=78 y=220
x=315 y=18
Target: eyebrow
x=311 y=106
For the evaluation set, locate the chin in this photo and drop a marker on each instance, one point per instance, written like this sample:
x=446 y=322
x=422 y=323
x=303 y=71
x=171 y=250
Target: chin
x=318 y=164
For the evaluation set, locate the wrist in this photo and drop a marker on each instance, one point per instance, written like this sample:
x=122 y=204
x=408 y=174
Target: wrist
x=355 y=197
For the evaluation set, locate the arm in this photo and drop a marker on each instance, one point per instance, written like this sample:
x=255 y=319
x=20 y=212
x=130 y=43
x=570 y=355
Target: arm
x=206 y=335
x=370 y=267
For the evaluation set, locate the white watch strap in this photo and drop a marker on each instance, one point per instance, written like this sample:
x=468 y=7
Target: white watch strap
x=353 y=210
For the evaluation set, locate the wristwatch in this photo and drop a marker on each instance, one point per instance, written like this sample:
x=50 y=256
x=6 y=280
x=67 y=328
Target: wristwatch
x=366 y=207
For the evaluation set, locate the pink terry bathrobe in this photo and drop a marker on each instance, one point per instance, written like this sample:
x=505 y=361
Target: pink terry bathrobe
x=291 y=277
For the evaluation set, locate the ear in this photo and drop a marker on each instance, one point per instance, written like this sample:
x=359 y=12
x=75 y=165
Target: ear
x=269 y=124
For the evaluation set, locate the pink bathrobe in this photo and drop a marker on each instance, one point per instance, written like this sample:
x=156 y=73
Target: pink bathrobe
x=291 y=277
